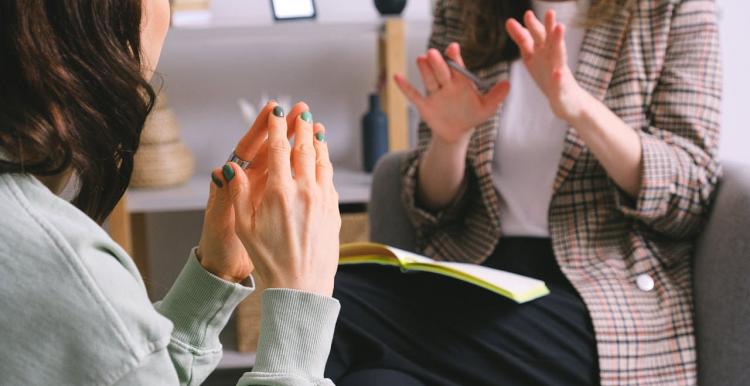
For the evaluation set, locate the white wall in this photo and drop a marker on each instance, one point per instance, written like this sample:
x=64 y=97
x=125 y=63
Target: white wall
x=735 y=41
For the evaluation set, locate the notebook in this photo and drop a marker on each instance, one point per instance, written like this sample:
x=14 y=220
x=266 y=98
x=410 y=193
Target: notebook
x=518 y=288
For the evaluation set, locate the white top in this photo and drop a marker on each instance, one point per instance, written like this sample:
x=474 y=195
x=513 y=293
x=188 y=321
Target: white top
x=530 y=138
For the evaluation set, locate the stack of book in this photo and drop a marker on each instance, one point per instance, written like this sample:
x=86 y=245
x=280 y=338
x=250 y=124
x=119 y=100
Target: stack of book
x=163 y=160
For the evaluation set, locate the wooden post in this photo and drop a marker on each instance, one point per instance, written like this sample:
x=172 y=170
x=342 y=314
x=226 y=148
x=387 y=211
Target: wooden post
x=139 y=239
x=393 y=61
x=119 y=226
x=129 y=231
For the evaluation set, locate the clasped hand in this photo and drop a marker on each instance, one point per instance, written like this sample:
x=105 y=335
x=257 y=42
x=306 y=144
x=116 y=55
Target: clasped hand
x=278 y=218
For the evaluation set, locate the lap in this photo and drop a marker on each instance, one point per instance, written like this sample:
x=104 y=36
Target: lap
x=446 y=332
x=379 y=377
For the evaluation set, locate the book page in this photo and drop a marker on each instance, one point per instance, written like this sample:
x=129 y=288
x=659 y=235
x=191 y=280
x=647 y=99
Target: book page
x=365 y=249
x=516 y=287
x=363 y=253
x=511 y=282
x=407 y=257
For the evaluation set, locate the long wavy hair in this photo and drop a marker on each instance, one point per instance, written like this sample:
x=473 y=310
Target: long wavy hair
x=485 y=40
x=72 y=94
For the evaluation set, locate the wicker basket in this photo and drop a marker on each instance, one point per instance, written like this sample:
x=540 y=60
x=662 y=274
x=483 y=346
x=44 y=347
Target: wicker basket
x=162 y=165
x=162 y=160
x=161 y=127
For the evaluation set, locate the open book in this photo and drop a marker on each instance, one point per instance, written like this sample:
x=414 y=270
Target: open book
x=516 y=287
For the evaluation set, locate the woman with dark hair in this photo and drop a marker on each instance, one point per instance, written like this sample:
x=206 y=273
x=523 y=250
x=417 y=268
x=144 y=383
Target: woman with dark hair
x=74 y=95
x=590 y=164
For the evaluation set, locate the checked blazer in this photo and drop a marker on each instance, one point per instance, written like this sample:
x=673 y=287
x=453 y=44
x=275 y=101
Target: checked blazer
x=656 y=65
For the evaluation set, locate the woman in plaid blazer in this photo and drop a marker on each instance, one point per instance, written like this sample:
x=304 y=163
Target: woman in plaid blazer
x=634 y=183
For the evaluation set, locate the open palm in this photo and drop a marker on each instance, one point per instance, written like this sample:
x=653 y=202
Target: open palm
x=453 y=105
x=544 y=52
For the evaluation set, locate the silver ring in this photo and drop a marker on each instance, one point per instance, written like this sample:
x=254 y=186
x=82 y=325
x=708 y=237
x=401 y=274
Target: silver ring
x=239 y=161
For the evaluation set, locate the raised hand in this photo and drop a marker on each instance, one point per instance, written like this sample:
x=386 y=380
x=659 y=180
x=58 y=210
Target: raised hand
x=544 y=52
x=257 y=173
x=292 y=235
x=220 y=250
x=453 y=106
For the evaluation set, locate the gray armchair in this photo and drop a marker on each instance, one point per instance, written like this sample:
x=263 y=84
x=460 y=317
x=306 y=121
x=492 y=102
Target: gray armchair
x=722 y=267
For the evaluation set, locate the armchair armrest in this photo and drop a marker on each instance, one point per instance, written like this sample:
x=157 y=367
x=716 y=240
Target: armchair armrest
x=722 y=284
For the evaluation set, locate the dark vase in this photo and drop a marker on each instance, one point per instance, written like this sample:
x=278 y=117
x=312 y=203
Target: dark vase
x=390 y=7
x=374 y=134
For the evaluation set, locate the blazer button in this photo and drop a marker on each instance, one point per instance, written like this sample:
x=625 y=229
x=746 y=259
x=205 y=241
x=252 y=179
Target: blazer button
x=645 y=282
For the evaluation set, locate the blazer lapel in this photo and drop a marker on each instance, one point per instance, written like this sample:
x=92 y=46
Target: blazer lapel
x=596 y=64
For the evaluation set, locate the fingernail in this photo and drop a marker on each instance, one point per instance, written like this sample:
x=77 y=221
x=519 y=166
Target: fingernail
x=278 y=111
x=307 y=117
x=228 y=172
x=216 y=181
x=320 y=137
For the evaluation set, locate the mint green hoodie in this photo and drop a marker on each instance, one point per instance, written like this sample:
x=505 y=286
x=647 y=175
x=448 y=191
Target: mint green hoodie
x=74 y=309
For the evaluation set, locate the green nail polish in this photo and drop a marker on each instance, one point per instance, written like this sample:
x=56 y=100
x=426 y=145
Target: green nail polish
x=320 y=137
x=217 y=181
x=278 y=111
x=228 y=172
x=307 y=117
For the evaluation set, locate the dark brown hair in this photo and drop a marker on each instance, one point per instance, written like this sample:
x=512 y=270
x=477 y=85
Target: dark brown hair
x=485 y=40
x=72 y=93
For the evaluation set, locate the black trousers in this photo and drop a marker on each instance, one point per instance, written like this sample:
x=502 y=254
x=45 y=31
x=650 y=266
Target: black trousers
x=424 y=329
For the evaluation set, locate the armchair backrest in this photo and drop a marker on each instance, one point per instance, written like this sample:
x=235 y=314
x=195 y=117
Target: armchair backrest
x=389 y=223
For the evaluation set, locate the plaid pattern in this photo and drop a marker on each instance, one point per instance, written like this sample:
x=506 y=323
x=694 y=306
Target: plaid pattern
x=657 y=67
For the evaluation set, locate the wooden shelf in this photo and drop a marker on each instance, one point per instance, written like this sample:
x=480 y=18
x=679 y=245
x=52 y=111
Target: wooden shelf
x=353 y=188
x=310 y=30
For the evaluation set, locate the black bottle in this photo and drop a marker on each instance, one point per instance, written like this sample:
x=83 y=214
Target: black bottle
x=374 y=134
x=390 y=7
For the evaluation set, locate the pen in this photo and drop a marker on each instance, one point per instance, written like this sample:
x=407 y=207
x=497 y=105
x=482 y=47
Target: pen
x=463 y=71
